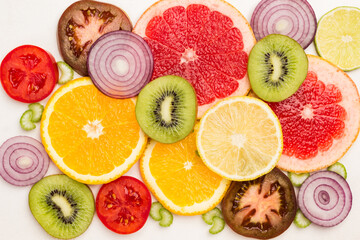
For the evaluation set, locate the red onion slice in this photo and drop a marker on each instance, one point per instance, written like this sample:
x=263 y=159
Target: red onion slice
x=120 y=64
x=23 y=161
x=325 y=198
x=294 y=18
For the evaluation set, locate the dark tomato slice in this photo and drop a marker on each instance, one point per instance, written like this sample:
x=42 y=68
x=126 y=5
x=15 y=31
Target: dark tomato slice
x=123 y=205
x=262 y=208
x=28 y=73
x=81 y=24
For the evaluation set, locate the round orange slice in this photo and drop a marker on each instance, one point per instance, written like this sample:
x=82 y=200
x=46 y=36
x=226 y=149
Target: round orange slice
x=92 y=138
x=178 y=178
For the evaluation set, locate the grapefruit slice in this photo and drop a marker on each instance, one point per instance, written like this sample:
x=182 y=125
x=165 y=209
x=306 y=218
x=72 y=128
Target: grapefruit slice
x=321 y=120
x=205 y=42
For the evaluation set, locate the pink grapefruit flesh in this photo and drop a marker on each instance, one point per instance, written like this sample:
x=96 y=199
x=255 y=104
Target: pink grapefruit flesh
x=320 y=121
x=205 y=42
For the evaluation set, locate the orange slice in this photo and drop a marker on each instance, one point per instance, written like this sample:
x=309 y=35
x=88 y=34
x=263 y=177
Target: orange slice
x=92 y=138
x=240 y=138
x=178 y=178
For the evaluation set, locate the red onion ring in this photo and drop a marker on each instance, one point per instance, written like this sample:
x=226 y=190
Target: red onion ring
x=120 y=64
x=23 y=161
x=294 y=18
x=325 y=198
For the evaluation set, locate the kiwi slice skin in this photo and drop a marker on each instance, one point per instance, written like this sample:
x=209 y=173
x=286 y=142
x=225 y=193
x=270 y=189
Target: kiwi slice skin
x=277 y=67
x=166 y=109
x=62 y=206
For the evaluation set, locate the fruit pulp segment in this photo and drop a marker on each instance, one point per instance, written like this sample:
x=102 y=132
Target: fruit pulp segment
x=238 y=139
x=311 y=118
x=84 y=30
x=23 y=73
x=98 y=129
x=201 y=46
x=267 y=206
x=338 y=38
x=178 y=165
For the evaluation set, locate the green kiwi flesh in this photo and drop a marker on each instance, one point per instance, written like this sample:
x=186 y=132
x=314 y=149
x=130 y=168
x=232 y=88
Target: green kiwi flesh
x=166 y=109
x=277 y=67
x=62 y=206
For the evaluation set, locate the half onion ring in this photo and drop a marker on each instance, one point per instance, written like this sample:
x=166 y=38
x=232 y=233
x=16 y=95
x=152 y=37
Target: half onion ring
x=120 y=64
x=23 y=161
x=294 y=18
x=325 y=198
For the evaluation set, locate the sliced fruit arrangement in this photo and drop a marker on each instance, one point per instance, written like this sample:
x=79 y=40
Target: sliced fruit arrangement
x=174 y=173
x=325 y=198
x=120 y=64
x=205 y=42
x=31 y=116
x=161 y=214
x=240 y=138
x=81 y=24
x=123 y=205
x=320 y=121
x=338 y=38
x=23 y=161
x=293 y=18
x=89 y=136
x=214 y=218
x=67 y=73
x=188 y=59
x=277 y=67
x=28 y=73
x=262 y=208
x=166 y=109
x=62 y=206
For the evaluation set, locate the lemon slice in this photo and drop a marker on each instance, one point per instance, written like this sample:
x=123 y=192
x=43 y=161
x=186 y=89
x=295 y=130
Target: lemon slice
x=240 y=138
x=338 y=37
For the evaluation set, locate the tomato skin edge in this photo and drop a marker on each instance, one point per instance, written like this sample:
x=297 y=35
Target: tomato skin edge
x=146 y=207
x=274 y=231
x=50 y=61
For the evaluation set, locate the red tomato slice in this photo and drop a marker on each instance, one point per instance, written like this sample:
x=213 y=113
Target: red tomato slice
x=28 y=74
x=123 y=205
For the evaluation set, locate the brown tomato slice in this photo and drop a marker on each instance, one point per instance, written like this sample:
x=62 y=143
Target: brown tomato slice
x=81 y=24
x=262 y=208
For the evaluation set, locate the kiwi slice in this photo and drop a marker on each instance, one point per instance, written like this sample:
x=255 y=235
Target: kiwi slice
x=62 y=206
x=166 y=109
x=277 y=67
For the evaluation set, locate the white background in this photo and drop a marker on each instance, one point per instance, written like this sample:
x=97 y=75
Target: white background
x=35 y=22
